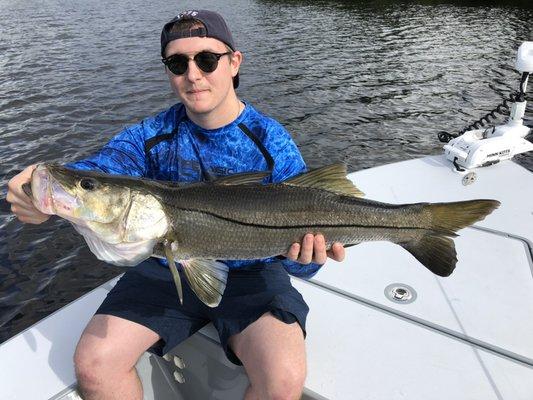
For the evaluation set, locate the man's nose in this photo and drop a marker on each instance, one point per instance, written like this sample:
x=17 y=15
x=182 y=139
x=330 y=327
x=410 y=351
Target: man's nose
x=193 y=72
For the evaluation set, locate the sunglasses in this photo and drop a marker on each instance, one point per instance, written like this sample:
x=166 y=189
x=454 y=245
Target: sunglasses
x=205 y=60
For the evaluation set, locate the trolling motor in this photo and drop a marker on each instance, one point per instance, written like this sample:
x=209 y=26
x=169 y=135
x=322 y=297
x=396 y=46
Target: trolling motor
x=476 y=146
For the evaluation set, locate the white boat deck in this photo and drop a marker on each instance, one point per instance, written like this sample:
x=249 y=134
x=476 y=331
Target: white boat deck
x=468 y=336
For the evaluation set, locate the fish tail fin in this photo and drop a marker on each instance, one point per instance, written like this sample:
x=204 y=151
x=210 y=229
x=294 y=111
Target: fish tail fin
x=451 y=217
x=434 y=247
x=435 y=251
x=207 y=279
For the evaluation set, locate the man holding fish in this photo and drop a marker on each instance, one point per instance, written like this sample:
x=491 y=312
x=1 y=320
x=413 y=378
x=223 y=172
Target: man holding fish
x=209 y=134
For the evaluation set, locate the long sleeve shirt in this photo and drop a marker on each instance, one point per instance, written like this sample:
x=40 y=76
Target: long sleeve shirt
x=170 y=147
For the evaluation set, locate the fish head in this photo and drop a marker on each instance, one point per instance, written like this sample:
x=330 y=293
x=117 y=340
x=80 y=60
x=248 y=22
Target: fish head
x=81 y=197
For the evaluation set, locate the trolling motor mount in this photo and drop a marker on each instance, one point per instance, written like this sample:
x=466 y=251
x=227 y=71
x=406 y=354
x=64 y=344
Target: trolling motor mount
x=482 y=147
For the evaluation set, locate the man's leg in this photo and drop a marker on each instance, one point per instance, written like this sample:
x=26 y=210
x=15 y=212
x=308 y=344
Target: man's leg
x=106 y=356
x=273 y=354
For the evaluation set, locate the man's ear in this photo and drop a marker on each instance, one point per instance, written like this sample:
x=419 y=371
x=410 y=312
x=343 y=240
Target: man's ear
x=236 y=61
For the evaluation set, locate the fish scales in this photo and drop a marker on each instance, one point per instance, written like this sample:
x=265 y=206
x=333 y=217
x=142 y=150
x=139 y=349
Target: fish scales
x=205 y=236
x=255 y=221
x=287 y=206
x=125 y=220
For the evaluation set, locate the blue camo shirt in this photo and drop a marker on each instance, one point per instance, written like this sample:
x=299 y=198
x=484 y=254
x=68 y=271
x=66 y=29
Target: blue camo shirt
x=171 y=147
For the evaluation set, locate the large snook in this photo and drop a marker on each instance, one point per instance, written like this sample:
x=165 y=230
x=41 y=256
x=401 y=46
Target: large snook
x=125 y=220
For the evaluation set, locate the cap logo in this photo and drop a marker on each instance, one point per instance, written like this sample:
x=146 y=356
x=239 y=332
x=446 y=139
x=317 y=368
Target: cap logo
x=189 y=13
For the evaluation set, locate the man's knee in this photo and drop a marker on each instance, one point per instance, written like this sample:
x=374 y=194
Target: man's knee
x=108 y=350
x=286 y=383
x=92 y=363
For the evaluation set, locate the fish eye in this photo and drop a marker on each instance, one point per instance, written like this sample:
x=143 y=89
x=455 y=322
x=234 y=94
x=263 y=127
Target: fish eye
x=88 y=184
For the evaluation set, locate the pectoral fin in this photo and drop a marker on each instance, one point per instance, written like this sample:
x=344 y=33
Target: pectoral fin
x=173 y=269
x=207 y=278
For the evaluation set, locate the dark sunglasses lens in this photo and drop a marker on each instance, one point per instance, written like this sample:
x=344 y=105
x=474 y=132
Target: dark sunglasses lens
x=178 y=64
x=207 y=62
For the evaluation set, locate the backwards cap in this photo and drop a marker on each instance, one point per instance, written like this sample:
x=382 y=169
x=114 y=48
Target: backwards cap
x=214 y=27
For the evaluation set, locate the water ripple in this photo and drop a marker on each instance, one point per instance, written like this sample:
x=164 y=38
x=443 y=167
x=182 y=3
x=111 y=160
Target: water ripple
x=364 y=83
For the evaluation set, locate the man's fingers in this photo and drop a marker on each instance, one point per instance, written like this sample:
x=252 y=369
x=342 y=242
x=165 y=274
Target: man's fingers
x=21 y=204
x=306 y=250
x=32 y=219
x=31 y=216
x=293 y=252
x=18 y=205
x=313 y=249
x=24 y=212
x=14 y=197
x=337 y=252
x=320 y=255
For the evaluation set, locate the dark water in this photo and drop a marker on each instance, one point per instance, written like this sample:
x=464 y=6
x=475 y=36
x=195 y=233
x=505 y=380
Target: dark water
x=358 y=82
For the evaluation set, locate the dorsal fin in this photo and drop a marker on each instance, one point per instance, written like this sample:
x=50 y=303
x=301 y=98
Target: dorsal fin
x=331 y=177
x=244 y=178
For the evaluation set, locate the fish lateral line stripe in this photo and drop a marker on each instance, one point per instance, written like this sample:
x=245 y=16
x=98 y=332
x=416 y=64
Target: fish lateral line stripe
x=310 y=226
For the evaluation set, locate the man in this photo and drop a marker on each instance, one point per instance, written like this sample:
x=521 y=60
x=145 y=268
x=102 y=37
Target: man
x=261 y=318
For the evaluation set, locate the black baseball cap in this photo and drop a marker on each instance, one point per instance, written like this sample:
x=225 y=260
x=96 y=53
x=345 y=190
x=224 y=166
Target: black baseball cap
x=214 y=27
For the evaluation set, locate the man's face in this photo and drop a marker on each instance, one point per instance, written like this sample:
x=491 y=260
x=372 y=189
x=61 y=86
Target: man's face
x=201 y=92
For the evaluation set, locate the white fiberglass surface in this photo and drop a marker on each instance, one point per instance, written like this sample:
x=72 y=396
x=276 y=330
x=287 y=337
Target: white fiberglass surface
x=433 y=179
x=489 y=296
x=37 y=363
x=357 y=352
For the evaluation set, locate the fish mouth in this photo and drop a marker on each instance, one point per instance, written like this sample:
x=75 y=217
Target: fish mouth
x=40 y=192
x=49 y=196
x=26 y=188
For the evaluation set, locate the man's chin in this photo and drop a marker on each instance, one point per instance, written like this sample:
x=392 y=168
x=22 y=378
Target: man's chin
x=198 y=108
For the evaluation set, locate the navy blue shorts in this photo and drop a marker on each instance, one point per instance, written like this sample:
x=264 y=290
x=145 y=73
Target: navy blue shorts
x=147 y=295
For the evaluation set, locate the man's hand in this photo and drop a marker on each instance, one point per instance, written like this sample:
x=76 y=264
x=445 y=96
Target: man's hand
x=313 y=249
x=21 y=204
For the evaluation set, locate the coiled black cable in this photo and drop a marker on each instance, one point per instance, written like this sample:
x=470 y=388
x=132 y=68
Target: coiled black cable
x=501 y=109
